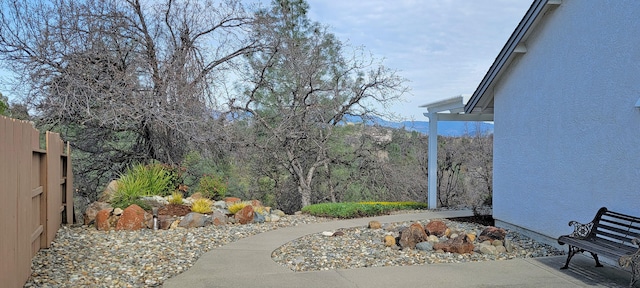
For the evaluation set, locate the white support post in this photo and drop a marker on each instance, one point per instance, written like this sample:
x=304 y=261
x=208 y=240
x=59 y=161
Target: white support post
x=432 y=167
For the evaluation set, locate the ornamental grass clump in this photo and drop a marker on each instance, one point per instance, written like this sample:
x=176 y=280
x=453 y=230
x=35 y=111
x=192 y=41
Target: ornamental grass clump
x=235 y=207
x=202 y=206
x=139 y=181
x=176 y=198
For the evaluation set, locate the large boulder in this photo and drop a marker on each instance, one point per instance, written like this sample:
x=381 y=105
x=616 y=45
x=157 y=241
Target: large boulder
x=132 y=218
x=93 y=209
x=412 y=235
x=102 y=220
x=460 y=245
x=245 y=215
x=109 y=192
x=194 y=220
x=436 y=227
x=165 y=221
x=154 y=201
x=219 y=218
x=492 y=233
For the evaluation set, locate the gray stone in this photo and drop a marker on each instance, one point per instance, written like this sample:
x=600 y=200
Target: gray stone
x=424 y=246
x=154 y=201
x=193 y=220
x=258 y=218
x=488 y=249
x=220 y=205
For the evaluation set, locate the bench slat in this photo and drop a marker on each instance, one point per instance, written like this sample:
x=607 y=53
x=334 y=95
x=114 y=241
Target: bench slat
x=628 y=226
x=621 y=238
x=623 y=216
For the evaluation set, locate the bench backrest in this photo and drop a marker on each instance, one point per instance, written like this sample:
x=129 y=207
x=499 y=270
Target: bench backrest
x=616 y=228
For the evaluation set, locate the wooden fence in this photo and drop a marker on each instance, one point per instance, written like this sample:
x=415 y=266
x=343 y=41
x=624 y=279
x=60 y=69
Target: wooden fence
x=36 y=196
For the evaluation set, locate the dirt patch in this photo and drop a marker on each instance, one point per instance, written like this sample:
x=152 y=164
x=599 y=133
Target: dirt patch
x=174 y=210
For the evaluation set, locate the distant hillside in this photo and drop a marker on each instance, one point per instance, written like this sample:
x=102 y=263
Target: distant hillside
x=445 y=128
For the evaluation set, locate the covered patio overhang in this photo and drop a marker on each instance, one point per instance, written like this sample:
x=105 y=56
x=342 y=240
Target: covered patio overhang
x=451 y=109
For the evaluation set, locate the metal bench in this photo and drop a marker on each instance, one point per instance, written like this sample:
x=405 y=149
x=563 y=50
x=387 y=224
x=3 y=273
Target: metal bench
x=610 y=234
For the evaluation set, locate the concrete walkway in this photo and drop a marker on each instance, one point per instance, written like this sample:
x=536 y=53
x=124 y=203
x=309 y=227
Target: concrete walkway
x=247 y=263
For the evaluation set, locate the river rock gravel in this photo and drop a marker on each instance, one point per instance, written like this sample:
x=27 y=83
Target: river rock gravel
x=363 y=247
x=85 y=257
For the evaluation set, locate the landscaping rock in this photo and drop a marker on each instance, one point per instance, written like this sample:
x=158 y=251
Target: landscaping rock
x=492 y=233
x=231 y=200
x=433 y=239
x=93 y=209
x=338 y=233
x=132 y=218
x=154 y=201
x=258 y=218
x=194 y=220
x=220 y=205
x=472 y=236
x=488 y=249
x=245 y=215
x=413 y=235
x=436 y=227
x=389 y=241
x=424 y=246
x=109 y=192
x=102 y=220
x=80 y=204
x=218 y=218
x=375 y=225
x=278 y=212
x=460 y=245
x=165 y=221
x=117 y=211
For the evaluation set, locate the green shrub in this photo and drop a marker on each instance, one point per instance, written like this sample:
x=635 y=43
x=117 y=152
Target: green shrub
x=359 y=209
x=141 y=180
x=212 y=187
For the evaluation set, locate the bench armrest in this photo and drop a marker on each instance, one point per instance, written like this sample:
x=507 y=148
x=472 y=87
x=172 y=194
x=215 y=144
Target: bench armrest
x=580 y=230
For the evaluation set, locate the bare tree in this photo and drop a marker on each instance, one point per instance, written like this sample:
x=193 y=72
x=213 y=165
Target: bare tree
x=302 y=86
x=124 y=80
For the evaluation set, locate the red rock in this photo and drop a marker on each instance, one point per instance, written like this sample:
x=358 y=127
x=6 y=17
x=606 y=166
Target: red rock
x=93 y=209
x=460 y=245
x=245 y=215
x=492 y=233
x=436 y=227
x=256 y=203
x=413 y=235
x=102 y=220
x=132 y=218
x=231 y=200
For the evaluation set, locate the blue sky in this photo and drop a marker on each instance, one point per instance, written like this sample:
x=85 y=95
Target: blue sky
x=444 y=47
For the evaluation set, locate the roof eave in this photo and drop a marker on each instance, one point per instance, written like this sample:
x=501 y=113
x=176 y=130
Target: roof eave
x=513 y=47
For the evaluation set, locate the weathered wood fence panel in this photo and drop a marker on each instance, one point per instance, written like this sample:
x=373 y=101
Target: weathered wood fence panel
x=36 y=188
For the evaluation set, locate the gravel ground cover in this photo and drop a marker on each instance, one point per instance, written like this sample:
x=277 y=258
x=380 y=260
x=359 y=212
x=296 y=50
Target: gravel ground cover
x=85 y=257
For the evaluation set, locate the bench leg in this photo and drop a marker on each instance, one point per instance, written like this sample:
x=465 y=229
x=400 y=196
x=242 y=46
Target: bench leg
x=572 y=251
x=635 y=270
x=595 y=256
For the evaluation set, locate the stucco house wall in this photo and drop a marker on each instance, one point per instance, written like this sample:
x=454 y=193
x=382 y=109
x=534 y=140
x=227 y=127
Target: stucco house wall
x=567 y=134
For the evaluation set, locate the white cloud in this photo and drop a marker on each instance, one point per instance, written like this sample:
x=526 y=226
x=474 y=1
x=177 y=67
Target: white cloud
x=444 y=47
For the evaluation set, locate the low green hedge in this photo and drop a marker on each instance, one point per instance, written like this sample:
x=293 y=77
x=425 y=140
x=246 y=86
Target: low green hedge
x=359 y=209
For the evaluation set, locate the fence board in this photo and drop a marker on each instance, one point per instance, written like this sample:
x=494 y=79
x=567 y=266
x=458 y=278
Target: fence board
x=37 y=195
x=23 y=146
x=9 y=211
